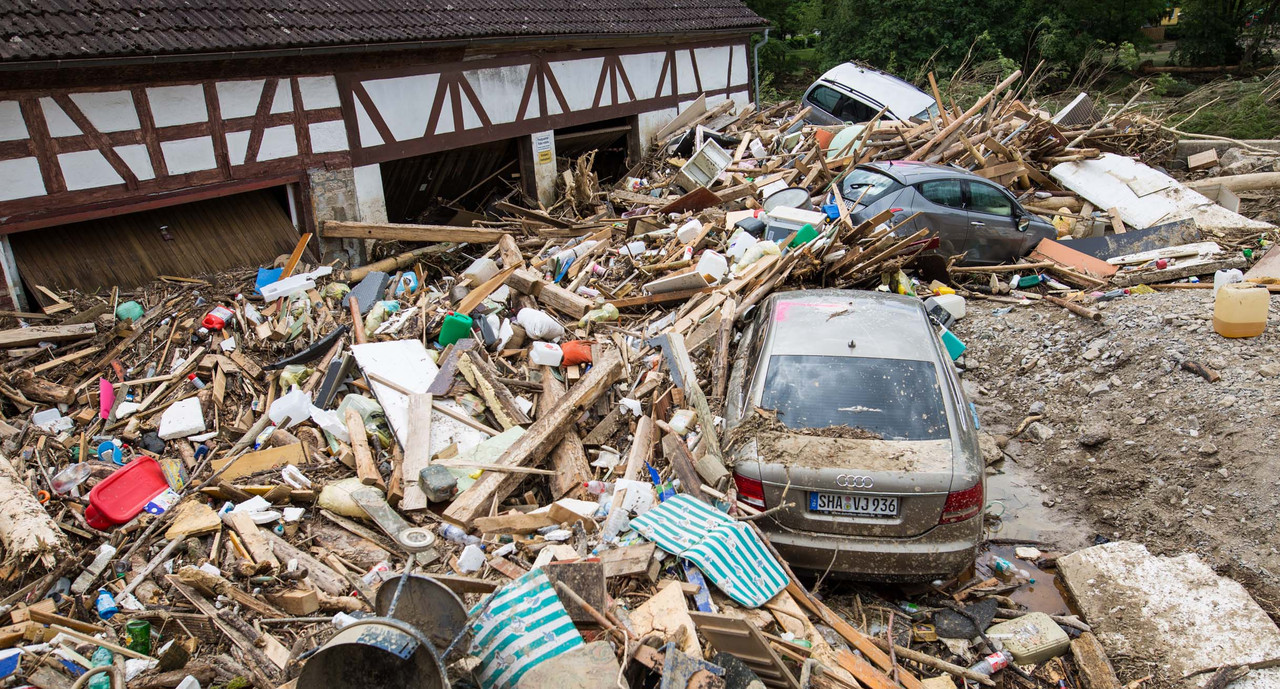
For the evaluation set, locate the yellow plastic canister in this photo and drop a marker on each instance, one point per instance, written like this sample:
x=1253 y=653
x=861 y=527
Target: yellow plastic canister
x=1240 y=310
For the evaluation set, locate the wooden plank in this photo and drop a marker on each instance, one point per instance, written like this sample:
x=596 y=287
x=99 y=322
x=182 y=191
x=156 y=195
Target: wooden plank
x=22 y=337
x=516 y=523
x=66 y=358
x=273 y=651
x=484 y=381
x=296 y=256
x=366 y=467
x=628 y=560
x=262 y=460
x=864 y=672
x=417 y=454
x=1203 y=160
x=528 y=281
x=681 y=459
x=333 y=229
x=569 y=459
x=711 y=465
x=664 y=297
x=1117 y=225
x=540 y=438
x=1092 y=663
x=252 y=538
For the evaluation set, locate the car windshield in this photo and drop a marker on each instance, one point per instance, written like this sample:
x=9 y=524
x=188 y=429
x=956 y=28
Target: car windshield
x=873 y=182
x=897 y=399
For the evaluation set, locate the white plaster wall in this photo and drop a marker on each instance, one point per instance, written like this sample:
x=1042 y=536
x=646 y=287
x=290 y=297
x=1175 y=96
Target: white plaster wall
x=20 y=178
x=404 y=103
x=239 y=98
x=328 y=136
x=12 y=127
x=86 y=170
x=138 y=160
x=652 y=122
x=283 y=101
x=172 y=105
x=318 y=92
x=56 y=120
x=371 y=205
x=278 y=142
x=188 y=155
x=499 y=89
x=644 y=71
x=578 y=79
x=108 y=111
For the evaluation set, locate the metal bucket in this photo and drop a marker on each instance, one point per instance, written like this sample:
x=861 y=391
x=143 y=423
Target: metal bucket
x=376 y=652
x=427 y=604
x=791 y=197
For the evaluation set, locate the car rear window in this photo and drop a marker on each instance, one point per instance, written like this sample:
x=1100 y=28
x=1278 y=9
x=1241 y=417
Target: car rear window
x=896 y=399
x=873 y=182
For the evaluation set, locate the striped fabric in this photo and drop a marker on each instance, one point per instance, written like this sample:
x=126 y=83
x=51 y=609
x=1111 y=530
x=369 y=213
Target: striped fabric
x=523 y=626
x=728 y=552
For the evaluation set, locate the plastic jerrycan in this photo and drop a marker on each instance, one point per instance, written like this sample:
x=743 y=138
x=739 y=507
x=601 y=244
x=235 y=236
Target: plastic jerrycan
x=1240 y=310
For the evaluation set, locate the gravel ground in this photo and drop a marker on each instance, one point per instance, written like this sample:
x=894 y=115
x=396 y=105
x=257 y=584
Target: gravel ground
x=1130 y=445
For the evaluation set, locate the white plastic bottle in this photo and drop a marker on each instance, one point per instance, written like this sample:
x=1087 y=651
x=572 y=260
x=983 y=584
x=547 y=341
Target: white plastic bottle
x=105 y=552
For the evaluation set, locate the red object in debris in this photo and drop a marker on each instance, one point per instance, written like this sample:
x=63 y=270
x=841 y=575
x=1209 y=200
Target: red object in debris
x=1162 y=263
x=576 y=352
x=217 y=318
x=122 y=495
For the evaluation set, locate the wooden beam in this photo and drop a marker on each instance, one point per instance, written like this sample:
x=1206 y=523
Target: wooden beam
x=417 y=456
x=568 y=458
x=333 y=229
x=22 y=337
x=711 y=465
x=540 y=438
x=366 y=467
x=528 y=281
x=661 y=298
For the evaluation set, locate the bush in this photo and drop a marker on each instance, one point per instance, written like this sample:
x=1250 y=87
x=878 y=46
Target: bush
x=1250 y=117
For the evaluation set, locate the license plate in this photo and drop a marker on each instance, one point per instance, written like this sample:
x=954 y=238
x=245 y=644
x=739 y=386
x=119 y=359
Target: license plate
x=854 y=505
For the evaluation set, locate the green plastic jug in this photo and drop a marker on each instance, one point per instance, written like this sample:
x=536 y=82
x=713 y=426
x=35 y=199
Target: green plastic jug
x=456 y=327
x=804 y=236
x=953 y=344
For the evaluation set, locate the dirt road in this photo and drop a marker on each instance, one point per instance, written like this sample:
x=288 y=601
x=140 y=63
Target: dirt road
x=1131 y=445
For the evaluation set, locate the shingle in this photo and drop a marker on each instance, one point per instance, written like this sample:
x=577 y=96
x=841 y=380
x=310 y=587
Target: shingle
x=52 y=29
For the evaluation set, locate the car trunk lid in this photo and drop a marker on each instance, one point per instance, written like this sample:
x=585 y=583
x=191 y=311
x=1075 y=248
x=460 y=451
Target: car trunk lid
x=794 y=467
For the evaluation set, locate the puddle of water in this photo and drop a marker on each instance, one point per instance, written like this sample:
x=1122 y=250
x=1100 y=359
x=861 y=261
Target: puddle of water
x=1025 y=518
x=1044 y=595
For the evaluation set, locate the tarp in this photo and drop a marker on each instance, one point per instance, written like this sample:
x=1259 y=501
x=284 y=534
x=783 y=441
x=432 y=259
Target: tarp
x=727 y=551
x=524 y=625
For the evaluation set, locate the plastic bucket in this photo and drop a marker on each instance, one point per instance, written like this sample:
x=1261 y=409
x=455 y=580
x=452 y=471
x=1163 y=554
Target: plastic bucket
x=377 y=652
x=823 y=137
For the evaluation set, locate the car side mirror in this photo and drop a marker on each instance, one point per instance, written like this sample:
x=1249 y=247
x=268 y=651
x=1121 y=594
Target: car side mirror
x=1024 y=222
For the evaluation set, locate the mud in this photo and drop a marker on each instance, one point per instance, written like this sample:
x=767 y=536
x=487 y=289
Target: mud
x=824 y=448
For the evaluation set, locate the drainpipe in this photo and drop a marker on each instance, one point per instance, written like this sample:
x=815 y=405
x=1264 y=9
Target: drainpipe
x=756 y=57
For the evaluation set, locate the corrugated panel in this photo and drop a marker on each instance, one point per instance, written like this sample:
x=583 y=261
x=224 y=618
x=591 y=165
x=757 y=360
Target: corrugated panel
x=129 y=250
x=94 y=28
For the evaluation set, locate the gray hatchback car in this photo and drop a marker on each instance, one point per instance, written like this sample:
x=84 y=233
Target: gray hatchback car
x=968 y=214
x=845 y=404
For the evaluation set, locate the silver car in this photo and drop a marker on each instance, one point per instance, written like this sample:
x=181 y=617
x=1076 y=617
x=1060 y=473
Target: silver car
x=852 y=93
x=845 y=404
x=967 y=213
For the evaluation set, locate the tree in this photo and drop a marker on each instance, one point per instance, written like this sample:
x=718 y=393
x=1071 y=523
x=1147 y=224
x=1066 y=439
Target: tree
x=1226 y=32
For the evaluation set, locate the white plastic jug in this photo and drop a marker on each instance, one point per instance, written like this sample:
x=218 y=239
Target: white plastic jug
x=481 y=271
x=545 y=354
x=1226 y=277
x=953 y=303
x=689 y=231
x=740 y=243
x=712 y=266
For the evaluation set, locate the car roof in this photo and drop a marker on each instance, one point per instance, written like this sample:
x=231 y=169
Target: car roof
x=823 y=323
x=902 y=98
x=910 y=171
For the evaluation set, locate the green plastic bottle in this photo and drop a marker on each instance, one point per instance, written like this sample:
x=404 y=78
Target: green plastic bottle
x=804 y=236
x=456 y=326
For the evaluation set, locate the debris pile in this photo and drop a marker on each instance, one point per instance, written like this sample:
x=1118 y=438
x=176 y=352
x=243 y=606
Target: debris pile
x=498 y=459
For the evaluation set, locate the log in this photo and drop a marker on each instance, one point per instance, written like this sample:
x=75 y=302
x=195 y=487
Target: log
x=1250 y=182
x=334 y=229
x=540 y=438
x=1081 y=311
x=366 y=467
x=25 y=528
x=528 y=281
x=929 y=661
x=24 y=337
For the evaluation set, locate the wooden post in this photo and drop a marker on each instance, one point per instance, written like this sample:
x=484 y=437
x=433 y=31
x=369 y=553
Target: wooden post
x=366 y=467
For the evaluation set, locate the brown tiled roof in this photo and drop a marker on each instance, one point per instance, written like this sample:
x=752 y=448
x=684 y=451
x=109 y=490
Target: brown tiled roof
x=60 y=29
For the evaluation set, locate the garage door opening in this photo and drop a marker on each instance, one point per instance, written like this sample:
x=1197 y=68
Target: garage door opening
x=185 y=240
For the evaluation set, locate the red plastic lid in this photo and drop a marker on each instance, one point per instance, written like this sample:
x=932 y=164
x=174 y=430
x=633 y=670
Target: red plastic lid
x=122 y=495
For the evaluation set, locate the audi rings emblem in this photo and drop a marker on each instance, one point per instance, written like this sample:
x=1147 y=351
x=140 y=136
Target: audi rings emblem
x=854 y=481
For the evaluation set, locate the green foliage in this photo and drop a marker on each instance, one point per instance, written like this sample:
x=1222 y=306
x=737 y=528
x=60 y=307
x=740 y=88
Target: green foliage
x=1162 y=85
x=1227 y=32
x=902 y=36
x=1251 y=117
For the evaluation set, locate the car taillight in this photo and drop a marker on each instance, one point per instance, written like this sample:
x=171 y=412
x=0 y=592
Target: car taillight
x=895 y=210
x=962 y=505
x=750 y=490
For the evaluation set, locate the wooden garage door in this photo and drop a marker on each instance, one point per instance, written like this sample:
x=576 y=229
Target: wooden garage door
x=131 y=249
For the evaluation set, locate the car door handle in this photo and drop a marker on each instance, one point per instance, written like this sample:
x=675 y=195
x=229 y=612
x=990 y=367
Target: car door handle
x=978 y=223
